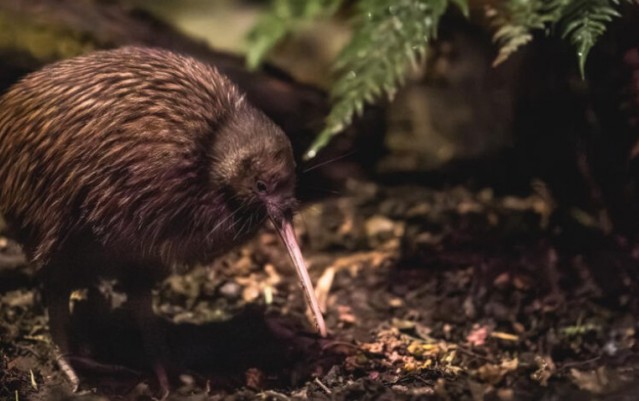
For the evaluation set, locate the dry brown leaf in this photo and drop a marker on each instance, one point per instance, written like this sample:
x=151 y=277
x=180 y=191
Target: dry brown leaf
x=345 y=314
x=596 y=381
x=477 y=337
x=504 y=336
x=323 y=287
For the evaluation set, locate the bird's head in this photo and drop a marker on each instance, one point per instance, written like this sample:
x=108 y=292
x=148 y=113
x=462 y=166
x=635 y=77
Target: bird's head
x=254 y=164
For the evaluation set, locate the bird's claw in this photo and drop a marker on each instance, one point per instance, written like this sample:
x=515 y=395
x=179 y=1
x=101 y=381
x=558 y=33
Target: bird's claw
x=68 y=371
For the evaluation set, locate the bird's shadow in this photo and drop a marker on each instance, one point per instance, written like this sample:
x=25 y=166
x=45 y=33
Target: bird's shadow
x=253 y=349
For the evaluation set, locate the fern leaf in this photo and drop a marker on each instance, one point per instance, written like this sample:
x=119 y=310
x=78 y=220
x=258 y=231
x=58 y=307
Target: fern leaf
x=463 y=6
x=390 y=36
x=283 y=18
x=516 y=21
x=510 y=39
x=583 y=22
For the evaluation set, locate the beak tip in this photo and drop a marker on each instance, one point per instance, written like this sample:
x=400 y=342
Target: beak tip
x=287 y=235
x=322 y=332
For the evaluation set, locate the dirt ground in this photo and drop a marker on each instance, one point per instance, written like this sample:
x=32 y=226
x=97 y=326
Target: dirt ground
x=436 y=294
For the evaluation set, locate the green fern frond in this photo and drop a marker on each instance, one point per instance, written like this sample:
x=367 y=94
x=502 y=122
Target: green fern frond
x=390 y=36
x=463 y=6
x=284 y=17
x=516 y=21
x=584 y=21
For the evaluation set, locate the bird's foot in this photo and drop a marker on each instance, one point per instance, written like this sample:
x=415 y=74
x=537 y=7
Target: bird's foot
x=68 y=371
x=163 y=381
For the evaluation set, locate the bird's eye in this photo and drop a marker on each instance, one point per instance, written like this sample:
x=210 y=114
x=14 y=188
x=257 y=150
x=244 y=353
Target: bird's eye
x=261 y=186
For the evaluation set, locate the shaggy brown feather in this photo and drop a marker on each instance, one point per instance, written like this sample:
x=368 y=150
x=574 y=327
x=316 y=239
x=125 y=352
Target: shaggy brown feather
x=142 y=148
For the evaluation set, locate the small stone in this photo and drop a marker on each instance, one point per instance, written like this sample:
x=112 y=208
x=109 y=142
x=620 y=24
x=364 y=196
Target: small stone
x=379 y=229
x=230 y=290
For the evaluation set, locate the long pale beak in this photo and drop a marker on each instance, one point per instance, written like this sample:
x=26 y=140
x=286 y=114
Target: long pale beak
x=285 y=229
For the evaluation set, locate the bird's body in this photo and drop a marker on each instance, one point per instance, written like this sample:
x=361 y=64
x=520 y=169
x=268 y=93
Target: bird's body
x=120 y=143
x=142 y=157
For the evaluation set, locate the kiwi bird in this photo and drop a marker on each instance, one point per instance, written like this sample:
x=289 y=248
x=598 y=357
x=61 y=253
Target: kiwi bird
x=127 y=162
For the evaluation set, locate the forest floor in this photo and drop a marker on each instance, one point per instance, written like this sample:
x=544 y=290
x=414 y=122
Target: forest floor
x=447 y=294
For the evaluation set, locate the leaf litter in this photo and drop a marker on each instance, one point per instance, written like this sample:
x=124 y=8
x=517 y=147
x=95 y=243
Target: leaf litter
x=442 y=294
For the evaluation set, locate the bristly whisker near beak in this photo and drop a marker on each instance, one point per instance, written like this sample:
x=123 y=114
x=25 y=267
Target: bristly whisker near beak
x=283 y=222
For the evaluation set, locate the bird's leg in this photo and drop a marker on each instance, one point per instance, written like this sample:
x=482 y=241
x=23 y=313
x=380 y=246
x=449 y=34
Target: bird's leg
x=56 y=292
x=140 y=303
x=58 y=324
